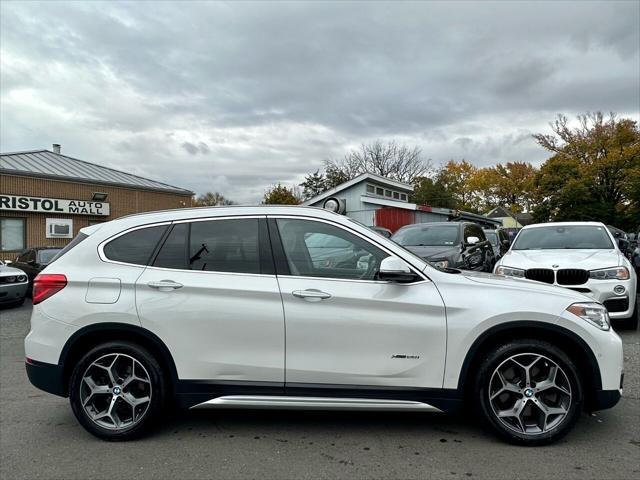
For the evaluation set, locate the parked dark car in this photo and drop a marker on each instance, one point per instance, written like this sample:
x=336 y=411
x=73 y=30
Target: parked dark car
x=622 y=239
x=385 y=232
x=460 y=245
x=33 y=260
x=499 y=240
x=635 y=255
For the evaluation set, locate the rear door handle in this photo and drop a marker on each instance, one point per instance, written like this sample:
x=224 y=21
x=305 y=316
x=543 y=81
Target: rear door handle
x=311 y=295
x=165 y=285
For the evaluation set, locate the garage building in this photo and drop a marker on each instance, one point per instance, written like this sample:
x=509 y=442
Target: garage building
x=47 y=197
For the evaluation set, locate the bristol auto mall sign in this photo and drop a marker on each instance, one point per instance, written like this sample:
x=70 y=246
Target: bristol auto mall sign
x=20 y=203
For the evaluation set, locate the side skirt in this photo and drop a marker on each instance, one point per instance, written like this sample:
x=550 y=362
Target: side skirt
x=238 y=394
x=313 y=403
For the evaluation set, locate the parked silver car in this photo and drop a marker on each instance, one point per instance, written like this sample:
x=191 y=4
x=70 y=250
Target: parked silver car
x=13 y=285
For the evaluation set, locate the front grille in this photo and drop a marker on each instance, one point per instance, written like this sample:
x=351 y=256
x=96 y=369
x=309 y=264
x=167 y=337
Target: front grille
x=540 y=274
x=572 y=276
x=617 y=304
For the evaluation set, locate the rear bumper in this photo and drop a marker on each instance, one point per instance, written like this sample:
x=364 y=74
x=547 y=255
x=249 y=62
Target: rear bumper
x=47 y=377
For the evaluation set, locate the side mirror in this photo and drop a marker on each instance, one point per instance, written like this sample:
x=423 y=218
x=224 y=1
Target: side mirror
x=506 y=243
x=393 y=269
x=472 y=240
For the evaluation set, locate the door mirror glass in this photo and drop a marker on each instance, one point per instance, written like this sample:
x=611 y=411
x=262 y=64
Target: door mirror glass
x=472 y=240
x=393 y=269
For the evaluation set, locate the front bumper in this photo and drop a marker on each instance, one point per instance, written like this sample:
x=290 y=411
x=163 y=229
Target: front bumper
x=47 y=377
x=12 y=292
x=619 y=305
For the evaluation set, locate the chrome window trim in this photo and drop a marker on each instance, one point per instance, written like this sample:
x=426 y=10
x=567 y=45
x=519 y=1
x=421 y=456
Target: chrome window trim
x=216 y=272
x=363 y=237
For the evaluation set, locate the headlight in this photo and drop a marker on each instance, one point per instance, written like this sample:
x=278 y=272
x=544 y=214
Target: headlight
x=613 y=273
x=441 y=263
x=593 y=313
x=22 y=278
x=510 y=272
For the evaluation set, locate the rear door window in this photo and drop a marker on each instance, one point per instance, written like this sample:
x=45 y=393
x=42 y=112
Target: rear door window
x=225 y=246
x=135 y=247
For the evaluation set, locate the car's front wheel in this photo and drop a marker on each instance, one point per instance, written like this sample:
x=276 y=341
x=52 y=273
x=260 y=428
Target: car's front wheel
x=117 y=391
x=529 y=392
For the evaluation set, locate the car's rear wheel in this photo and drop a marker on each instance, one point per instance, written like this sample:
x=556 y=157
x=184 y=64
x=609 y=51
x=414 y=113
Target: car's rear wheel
x=117 y=391
x=529 y=392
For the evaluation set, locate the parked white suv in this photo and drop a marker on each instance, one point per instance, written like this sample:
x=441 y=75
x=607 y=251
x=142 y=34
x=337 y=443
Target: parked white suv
x=581 y=256
x=230 y=307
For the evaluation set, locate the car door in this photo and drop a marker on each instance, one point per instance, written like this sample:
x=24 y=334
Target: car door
x=345 y=328
x=212 y=296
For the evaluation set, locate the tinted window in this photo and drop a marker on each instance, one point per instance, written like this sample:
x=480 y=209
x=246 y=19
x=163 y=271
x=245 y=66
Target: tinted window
x=563 y=237
x=225 y=246
x=317 y=249
x=134 y=247
x=173 y=253
x=492 y=237
x=79 y=238
x=46 y=256
x=427 y=235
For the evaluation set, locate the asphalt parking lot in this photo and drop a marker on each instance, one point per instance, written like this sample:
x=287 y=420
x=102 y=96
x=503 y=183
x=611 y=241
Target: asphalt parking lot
x=40 y=438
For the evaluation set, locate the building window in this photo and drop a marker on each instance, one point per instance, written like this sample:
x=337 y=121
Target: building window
x=396 y=195
x=380 y=191
x=12 y=234
x=387 y=193
x=403 y=197
x=370 y=189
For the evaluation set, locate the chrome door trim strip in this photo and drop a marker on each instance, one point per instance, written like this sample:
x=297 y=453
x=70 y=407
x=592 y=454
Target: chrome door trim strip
x=314 y=403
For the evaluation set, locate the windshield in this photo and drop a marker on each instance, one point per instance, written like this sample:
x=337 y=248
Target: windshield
x=492 y=237
x=47 y=255
x=572 y=237
x=427 y=236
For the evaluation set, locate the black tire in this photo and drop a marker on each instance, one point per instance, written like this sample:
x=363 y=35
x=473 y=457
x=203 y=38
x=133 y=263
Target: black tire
x=158 y=391
x=498 y=357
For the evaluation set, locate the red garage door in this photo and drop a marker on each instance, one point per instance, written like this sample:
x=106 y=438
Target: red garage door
x=394 y=218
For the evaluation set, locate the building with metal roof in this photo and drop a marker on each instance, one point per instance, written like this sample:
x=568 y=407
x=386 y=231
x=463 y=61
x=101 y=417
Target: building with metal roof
x=54 y=165
x=47 y=197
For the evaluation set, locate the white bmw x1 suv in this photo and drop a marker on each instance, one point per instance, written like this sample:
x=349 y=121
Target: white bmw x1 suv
x=231 y=307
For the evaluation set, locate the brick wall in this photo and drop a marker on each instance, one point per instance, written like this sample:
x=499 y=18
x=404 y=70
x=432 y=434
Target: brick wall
x=123 y=201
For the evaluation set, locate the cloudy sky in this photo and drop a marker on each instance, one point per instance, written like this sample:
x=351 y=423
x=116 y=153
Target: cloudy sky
x=236 y=96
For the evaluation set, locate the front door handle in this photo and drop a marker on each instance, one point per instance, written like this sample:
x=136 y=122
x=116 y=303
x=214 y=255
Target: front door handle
x=165 y=285
x=311 y=295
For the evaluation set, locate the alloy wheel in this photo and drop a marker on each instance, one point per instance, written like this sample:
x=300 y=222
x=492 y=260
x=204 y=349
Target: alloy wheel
x=530 y=393
x=115 y=391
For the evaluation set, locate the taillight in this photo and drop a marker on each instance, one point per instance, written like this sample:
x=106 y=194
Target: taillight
x=47 y=284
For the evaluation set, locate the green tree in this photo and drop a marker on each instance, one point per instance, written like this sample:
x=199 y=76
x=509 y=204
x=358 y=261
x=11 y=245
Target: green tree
x=431 y=191
x=211 y=199
x=314 y=184
x=281 y=195
x=594 y=173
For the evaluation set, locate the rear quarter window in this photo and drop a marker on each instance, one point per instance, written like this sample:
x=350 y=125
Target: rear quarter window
x=135 y=247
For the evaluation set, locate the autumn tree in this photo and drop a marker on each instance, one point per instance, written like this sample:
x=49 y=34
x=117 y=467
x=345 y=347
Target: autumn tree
x=594 y=173
x=211 y=199
x=458 y=179
x=314 y=184
x=281 y=195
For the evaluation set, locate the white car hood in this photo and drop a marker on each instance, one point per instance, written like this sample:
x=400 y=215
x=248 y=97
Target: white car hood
x=585 y=259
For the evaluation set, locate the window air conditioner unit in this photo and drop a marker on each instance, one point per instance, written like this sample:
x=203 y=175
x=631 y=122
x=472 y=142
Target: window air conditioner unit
x=59 y=229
